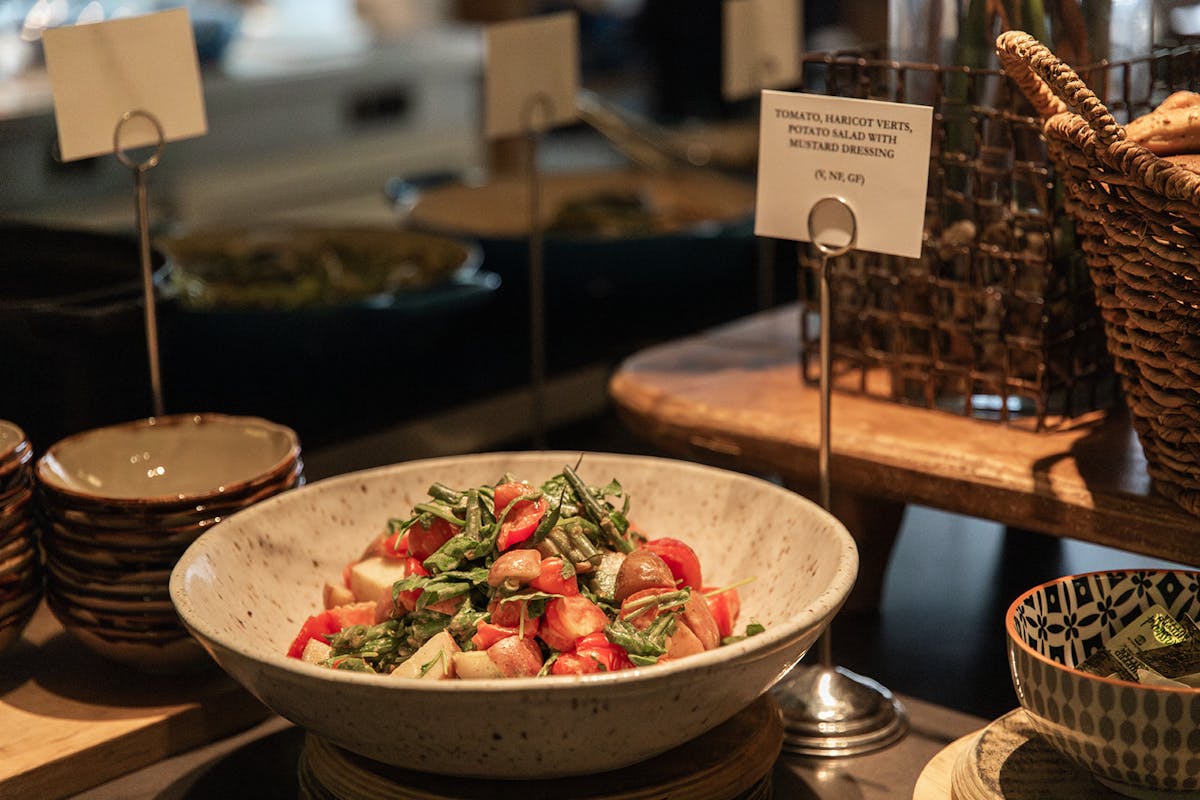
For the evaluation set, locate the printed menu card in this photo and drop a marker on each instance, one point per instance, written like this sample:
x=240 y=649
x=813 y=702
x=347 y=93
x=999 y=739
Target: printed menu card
x=871 y=154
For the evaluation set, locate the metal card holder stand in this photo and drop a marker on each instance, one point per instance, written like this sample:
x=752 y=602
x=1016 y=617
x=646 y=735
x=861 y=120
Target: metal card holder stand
x=139 y=170
x=829 y=711
x=537 y=267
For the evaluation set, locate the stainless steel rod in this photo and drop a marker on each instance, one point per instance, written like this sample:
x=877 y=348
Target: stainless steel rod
x=148 y=295
x=537 y=299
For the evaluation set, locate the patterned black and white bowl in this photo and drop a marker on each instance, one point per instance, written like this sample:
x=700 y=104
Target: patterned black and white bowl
x=1140 y=740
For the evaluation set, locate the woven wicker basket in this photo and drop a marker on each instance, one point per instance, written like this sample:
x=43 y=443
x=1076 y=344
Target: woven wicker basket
x=1138 y=220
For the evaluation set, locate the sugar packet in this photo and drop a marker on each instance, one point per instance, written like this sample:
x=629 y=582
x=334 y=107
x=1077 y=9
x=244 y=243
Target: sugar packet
x=1156 y=648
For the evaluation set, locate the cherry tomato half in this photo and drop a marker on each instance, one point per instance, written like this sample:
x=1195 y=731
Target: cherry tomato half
x=567 y=619
x=408 y=600
x=680 y=557
x=323 y=625
x=318 y=626
x=639 y=608
x=510 y=614
x=423 y=542
x=725 y=608
x=551 y=581
x=571 y=663
x=488 y=633
x=522 y=519
x=598 y=648
x=395 y=545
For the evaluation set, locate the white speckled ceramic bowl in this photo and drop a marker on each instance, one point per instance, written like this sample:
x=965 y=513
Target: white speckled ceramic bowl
x=244 y=588
x=1139 y=740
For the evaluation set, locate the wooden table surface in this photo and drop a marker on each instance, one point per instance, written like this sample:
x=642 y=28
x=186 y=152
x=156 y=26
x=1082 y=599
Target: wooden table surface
x=70 y=720
x=732 y=396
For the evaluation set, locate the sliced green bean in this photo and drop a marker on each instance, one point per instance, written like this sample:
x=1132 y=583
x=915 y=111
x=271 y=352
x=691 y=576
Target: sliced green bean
x=440 y=491
x=474 y=515
x=548 y=522
x=440 y=511
x=596 y=513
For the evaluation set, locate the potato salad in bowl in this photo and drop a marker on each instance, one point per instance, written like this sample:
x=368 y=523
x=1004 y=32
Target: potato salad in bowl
x=511 y=579
x=593 y=609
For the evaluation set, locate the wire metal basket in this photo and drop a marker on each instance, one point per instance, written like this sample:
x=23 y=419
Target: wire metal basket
x=997 y=319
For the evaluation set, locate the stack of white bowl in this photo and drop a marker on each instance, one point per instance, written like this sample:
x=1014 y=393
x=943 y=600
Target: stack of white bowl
x=119 y=506
x=20 y=564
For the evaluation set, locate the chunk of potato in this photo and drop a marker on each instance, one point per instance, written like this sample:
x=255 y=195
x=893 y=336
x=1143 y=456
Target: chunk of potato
x=699 y=617
x=683 y=642
x=475 y=665
x=337 y=594
x=516 y=657
x=315 y=651
x=433 y=661
x=372 y=579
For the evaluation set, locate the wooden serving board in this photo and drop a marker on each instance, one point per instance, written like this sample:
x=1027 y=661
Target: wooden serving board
x=934 y=781
x=731 y=762
x=70 y=720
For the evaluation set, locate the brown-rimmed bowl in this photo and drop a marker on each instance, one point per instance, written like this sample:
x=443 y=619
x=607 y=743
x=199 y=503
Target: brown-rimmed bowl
x=1138 y=739
x=167 y=463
